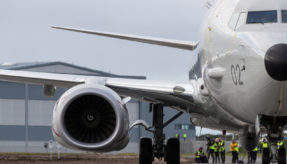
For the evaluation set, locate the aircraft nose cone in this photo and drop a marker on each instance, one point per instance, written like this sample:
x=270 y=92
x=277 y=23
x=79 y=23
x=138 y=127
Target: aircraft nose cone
x=276 y=62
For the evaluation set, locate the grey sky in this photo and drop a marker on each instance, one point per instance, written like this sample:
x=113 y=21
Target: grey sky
x=25 y=34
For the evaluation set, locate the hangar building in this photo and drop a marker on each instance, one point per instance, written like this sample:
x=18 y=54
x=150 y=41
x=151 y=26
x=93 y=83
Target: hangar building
x=25 y=114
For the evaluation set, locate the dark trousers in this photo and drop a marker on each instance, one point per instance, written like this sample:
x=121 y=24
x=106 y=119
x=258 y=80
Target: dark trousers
x=253 y=156
x=211 y=153
x=234 y=156
x=217 y=159
x=222 y=155
x=201 y=160
x=249 y=156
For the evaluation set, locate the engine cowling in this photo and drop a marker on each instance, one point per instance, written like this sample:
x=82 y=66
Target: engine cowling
x=92 y=118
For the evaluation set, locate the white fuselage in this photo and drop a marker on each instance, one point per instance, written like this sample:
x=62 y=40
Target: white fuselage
x=245 y=88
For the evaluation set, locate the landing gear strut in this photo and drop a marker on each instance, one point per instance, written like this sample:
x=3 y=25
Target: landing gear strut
x=274 y=126
x=169 y=151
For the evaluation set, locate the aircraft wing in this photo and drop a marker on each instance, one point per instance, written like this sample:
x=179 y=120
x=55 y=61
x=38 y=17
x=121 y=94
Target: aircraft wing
x=179 y=95
x=186 y=45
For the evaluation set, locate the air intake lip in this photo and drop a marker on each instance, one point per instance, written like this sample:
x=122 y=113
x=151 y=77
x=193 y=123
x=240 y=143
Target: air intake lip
x=90 y=119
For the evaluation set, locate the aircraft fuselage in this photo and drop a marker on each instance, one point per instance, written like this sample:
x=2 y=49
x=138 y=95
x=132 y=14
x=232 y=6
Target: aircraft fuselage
x=235 y=51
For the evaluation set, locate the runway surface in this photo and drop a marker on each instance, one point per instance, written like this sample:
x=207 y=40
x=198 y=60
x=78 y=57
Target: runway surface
x=13 y=158
x=76 y=159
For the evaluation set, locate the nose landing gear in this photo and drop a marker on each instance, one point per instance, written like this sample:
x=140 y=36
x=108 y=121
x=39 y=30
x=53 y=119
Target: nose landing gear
x=157 y=148
x=274 y=126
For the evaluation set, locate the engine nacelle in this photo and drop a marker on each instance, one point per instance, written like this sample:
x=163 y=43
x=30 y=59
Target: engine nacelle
x=92 y=118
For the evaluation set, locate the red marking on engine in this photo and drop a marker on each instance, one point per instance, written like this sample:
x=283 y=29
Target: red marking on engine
x=63 y=98
x=123 y=105
x=54 y=131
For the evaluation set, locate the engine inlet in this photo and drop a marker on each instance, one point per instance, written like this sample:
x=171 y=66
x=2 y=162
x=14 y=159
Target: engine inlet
x=90 y=119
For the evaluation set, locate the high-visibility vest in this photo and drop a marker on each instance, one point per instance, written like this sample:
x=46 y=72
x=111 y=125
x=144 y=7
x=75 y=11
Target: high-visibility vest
x=255 y=149
x=211 y=147
x=215 y=145
x=264 y=145
x=198 y=154
x=184 y=135
x=234 y=147
x=222 y=148
x=176 y=135
x=279 y=144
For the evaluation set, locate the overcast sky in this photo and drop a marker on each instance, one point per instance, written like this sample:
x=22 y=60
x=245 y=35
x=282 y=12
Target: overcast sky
x=26 y=36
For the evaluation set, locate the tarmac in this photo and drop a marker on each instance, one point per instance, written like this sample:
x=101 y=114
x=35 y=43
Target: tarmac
x=244 y=158
x=18 y=158
x=77 y=159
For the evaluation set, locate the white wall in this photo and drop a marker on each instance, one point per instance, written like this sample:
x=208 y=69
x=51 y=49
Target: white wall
x=40 y=112
x=12 y=112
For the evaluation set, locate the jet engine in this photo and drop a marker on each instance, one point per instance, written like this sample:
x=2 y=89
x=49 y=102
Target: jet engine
x=91 y=117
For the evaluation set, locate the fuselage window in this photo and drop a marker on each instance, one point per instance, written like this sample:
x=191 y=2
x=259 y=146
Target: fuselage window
x=241 y=20
x=237 y=20
x=284 y=16
x=262 y=17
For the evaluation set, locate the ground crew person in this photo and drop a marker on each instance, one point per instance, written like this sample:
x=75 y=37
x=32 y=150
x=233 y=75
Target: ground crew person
x=264 y=144
x=264 y=148
x=254 y=155
x=222 y=150
x=184 y=136
x=176 y=135
x=210 y=150
x=199 y=155
x=280 y=145
x=234 y=150
x=216 y=150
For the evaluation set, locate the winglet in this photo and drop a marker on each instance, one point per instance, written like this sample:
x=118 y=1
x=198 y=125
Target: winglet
x=186 y=45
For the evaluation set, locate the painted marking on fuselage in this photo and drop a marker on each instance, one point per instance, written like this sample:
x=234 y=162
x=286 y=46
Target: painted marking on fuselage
x=236 y=71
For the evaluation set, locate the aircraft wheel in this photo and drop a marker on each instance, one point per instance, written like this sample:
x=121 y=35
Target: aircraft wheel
x=281 y=156
x=265 y=156
x=172 y=151
x=146 y=152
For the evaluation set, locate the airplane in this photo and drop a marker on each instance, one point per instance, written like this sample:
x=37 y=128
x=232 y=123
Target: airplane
x=238 y=84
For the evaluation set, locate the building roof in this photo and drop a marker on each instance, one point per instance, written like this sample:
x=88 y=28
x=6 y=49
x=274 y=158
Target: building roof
x=90 y=72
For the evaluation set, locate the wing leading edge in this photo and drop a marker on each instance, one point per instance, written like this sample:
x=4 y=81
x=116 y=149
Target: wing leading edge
x=143 y=39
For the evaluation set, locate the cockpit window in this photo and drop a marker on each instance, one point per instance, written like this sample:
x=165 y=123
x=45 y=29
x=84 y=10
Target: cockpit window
x=284 y=16
x=262 y=17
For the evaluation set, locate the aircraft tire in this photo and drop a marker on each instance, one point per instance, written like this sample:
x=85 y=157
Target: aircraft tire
x=281 y=156
x=146 y=152
x=265 y=156
x=172 y=151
